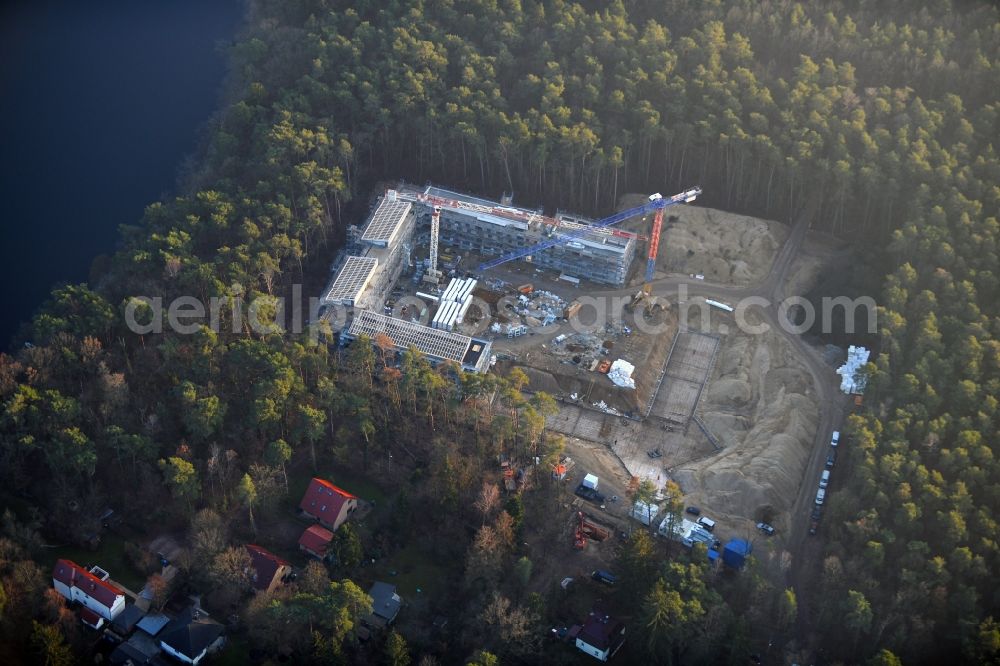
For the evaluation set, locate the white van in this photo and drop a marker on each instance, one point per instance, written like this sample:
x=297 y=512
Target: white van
x=707 y=523
x=820 y=496
x=835 y=438
x=824 y=478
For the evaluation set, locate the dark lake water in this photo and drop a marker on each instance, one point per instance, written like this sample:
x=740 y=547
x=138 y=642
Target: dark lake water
x=100 y=102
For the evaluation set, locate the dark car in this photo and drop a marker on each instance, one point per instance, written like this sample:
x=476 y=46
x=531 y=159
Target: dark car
x=816 y=513
x=693 y=510
x=589 y=494
x=830 y=459
x=606 y=577
x=813 y=526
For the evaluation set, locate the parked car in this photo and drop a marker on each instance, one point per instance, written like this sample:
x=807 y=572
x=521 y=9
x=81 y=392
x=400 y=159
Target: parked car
x=820 y=496
x=693 y=510
x=589 y=494
x=813 y=526
x=824 y=478
x=765 y=528
x=816 y=513
x=707 y=523
x=830 y=459
x=835 y=438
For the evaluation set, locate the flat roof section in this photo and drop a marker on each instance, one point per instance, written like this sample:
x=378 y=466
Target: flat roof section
x=434 y=342
x=475 y=352
x=351 y=280
x=385 y=221
x=458 y=196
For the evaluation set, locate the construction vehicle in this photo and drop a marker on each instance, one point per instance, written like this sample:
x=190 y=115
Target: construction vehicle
x=656 y=204
x=587 y=530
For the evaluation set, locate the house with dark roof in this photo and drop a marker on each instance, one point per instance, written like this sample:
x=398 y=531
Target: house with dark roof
x=269 y=569
x=191 y=635
x=315 y=541
x=328 y=504
x=124 y=624
x=138 y=650
x=385 y=604
x=88 y=589
x=600 y=636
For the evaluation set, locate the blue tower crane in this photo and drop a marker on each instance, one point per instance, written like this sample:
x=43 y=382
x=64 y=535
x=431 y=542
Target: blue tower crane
x=656 y=203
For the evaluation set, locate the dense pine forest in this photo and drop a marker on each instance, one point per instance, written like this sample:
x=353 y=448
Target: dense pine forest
x=886 y=114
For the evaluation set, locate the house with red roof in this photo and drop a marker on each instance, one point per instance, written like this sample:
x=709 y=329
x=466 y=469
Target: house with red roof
x=90 y=589
x=600 y=636
x=328 y=504
x=315 y=540
x=269 y=569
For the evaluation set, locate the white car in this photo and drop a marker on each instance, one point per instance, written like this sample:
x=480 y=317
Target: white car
x=835 y=438
x=820 y=496
x=765 y=528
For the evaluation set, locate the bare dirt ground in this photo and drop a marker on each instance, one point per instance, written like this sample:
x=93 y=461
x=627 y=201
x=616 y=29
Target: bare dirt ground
x=550 y=542
x=563 y=369
x=760 y=403
x=762 y=407
x=724 y=247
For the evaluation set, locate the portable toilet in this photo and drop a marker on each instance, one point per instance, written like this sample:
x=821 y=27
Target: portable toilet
x=735 y=553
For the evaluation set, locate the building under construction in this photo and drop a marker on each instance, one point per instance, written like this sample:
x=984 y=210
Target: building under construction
x=365 y=278
x=382 y=247
x=492 y=228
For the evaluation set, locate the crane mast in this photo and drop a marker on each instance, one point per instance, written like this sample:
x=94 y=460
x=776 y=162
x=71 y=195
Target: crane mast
x=433 y=275
x=654 y=248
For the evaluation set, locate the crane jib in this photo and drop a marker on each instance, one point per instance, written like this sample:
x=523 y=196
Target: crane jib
x=656 y=204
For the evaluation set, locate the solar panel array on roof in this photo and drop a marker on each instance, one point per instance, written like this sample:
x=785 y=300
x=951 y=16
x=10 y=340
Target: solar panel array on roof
x=351 y=280
x=439 y=344
x=386 y=220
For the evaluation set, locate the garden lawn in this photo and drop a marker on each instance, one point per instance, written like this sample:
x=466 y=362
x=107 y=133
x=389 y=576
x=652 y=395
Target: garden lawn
x=414 y=569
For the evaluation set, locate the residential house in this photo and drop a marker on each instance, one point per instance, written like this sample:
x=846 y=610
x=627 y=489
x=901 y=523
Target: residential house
x=385 y=604
x=125 y=623
x=191 y=635
x=328 y=504
x=269 y=569
x=90 y=589
x=315 y=540
x=138 y=650
x=600 y=636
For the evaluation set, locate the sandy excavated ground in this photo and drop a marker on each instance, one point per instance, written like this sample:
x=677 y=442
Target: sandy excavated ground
x=724 y=247
x=551 y=370
x=762 y=407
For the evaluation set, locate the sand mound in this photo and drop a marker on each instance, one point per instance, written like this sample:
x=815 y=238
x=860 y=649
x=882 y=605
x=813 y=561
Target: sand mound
x=722 y=246
x=729 y=392
x=766 y=427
